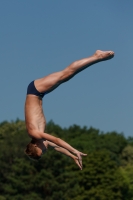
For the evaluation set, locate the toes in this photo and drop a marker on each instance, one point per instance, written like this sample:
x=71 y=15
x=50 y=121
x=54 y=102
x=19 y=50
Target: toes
x=111 y=53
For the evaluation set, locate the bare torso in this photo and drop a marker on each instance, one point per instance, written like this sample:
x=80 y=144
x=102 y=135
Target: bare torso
x=34 y=116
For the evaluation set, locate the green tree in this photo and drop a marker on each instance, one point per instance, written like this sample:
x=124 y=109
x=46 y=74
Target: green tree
x=56 y=176
x=127 y=173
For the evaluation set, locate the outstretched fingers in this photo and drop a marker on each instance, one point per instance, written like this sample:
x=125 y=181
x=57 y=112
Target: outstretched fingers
x=79 y=155
x=77 y=162
x=83 y=154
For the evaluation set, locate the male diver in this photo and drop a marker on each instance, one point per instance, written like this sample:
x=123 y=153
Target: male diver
x=34 y=116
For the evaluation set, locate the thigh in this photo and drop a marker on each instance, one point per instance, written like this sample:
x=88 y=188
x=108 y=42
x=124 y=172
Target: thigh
x=49 y=82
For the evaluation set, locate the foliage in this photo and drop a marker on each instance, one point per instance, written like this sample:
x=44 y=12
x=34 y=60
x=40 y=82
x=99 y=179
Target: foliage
x=107 y=170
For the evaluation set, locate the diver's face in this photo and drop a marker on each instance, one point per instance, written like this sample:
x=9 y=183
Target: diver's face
x=39 y=151
x=40 y=147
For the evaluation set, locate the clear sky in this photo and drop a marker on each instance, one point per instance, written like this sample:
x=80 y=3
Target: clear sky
x=41 y=37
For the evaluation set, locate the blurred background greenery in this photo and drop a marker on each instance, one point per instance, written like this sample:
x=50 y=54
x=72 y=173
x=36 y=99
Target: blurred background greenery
x=107 y=170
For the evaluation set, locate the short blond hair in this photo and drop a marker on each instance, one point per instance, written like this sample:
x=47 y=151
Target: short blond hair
x=31 y=151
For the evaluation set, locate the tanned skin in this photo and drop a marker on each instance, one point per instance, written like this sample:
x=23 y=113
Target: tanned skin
x=34 y=116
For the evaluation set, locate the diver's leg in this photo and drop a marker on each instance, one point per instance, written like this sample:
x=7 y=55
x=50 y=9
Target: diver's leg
x=50 y=82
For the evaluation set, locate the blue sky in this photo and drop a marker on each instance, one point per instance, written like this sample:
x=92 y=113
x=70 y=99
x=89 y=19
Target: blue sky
x=41 y=37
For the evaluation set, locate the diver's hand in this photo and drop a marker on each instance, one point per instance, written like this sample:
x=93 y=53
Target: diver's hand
x=78 y=158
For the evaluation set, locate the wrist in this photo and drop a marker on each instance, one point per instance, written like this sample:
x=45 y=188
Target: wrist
x=73 y=157
x=74 y=151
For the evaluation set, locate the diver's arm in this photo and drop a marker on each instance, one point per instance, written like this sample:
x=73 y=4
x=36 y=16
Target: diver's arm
x=65 y=151
x=59 y=142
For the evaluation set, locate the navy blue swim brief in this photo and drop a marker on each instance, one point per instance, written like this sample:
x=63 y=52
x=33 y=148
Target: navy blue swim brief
x=32 y=90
